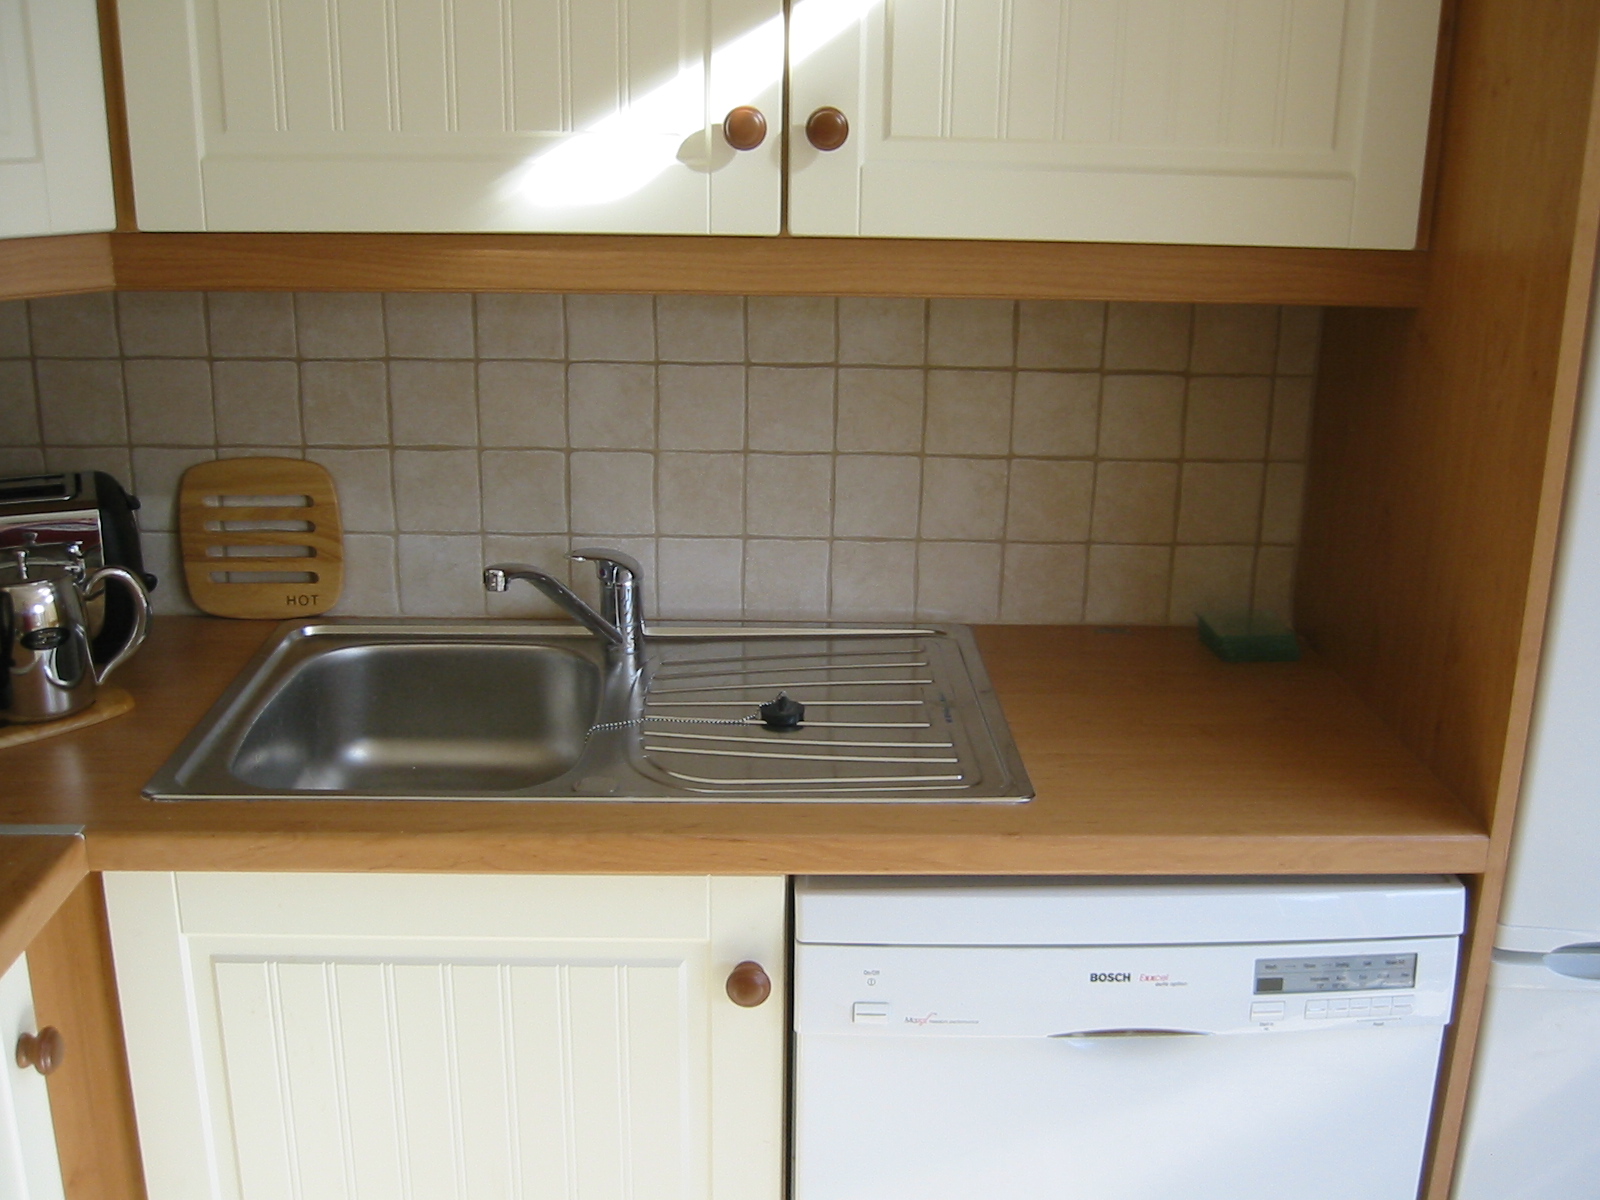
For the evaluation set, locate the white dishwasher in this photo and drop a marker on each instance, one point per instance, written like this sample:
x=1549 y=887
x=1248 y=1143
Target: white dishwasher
x=1118 y=1039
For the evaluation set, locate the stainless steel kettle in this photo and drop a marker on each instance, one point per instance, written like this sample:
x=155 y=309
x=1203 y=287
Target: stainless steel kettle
x=44 y=632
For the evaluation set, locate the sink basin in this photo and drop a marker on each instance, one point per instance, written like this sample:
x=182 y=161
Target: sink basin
x=506 y=710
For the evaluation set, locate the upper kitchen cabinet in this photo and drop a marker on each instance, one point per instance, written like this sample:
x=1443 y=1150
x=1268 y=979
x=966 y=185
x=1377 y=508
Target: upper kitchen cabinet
x=454 y=115
x=1230 y=122
x=55 y=160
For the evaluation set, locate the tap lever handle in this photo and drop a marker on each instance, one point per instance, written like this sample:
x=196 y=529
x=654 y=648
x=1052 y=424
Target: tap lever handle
x=612 y=558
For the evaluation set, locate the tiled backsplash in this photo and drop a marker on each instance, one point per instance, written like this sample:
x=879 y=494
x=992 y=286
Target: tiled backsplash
x=764 y=457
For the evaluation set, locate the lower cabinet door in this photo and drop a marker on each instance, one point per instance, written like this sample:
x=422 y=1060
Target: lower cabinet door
x=435 y=1036
x=29 y=1168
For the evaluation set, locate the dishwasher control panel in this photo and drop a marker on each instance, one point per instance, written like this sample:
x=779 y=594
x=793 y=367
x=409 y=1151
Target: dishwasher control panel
x=1335 y=973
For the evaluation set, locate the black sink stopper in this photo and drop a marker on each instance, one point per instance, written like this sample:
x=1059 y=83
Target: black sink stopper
x=783 y=713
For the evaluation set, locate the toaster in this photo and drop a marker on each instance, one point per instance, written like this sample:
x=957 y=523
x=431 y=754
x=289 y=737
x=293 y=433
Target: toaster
x=91 y=509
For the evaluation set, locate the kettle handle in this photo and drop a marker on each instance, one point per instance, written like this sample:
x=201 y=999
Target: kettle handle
x=93 y=586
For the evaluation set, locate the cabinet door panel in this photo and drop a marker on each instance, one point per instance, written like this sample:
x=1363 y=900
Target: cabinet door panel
x=1267 y=122
x=29 y=1169
x=55 y=160
x=523 y=1039
x=451 y=115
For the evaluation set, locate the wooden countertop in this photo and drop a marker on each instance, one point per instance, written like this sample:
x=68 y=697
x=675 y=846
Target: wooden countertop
x=37 y=873
x=1148 y=756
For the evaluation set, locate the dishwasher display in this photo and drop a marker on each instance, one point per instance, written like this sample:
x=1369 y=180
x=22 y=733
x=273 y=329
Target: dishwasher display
x=1116 y=1039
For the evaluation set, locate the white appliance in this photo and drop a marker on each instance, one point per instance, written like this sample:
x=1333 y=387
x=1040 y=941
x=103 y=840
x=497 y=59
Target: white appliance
x=1534 y=1108
x=1113 y=1039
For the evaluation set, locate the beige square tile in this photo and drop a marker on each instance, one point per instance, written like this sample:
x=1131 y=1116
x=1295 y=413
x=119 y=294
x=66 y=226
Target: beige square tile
x=19 y=407
x=1060 y=334
x=1221 y=503
x=1210 y=579
x=1127 y=585
x=113 y=460
x=1056 y=414
x=339 y=324
x=958 y=581
x=788 y=495
x=1234 y=339
x=1299 y=340
x=873 y=581
x=22 y=461
x=1284 y=500
x=611 y=406
x=371 y=584
x=881 y=410
x=433 y=403
x=1044 y=585
x=1227 y=417
x=972 y=333
x=1274 y=586
x=75 y=326
x=1049 y=501
x=791 y=408
x=700 y=495
x=1291 y=419
x=251 y=324
x=441 y=575
x=1147 y=337
x=882 y=332
x=437 y=491
x=963 y=498
x=162 y=324
x=1141 y=416
x=613 y=492
x=700 y=328
x=169 y=401
x=522 y=404
x=156 y=476
x=366 y=491
x=80 y=402
x=702 y=407
x=700 y=577
x=611 y=328
x=1134 y=502
x=345 y=403
x=15 y=341
x=429 y=324
x=164 y=560
x=785 y=581
x=524 y=491
x=520 y=601
x=969 y=412
x=257 y=403
x=791 y=329
x=518 y=326
x=876 y=496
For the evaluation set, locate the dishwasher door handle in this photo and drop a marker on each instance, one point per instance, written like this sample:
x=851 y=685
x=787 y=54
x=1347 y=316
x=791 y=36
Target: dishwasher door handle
x=1132 y=1033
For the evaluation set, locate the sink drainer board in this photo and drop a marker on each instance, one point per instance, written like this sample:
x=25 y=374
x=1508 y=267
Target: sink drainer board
x=513 y=710
x=879 y=717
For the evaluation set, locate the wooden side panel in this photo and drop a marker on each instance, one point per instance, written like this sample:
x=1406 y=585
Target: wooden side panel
x=55 y=266
x=90 y=1099
x=1440 y=450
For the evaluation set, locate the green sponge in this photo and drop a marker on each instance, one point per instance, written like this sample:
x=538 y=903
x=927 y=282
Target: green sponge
x=1248 y=637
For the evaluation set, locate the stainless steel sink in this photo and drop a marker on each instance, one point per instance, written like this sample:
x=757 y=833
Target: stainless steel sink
x=505 y=710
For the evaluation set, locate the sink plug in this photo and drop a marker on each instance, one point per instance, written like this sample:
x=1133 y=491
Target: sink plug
x=783 y=713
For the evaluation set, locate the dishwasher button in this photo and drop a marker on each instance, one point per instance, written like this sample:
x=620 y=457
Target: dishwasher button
x=1316 y=1010
x=869 y=1012
x=1380 y=1006
x=1266 y=1011
x=1401 y=1006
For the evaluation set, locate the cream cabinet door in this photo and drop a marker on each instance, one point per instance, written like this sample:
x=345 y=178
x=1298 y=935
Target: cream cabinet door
x=452 y=115
x=29 y=1169
x=1249 y=122
x=55 y=161
x=438 y=1036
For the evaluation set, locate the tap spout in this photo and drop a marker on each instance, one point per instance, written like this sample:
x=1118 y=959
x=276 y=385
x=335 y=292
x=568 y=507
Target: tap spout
x=498 y=577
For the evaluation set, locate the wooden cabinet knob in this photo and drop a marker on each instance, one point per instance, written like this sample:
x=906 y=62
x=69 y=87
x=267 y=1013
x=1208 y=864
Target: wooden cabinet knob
x=43 y=1051
x=744 y=127
x=827 y=128
x=749 y=985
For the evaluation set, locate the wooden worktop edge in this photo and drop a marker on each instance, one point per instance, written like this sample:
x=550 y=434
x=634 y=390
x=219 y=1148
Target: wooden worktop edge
x=37 y=874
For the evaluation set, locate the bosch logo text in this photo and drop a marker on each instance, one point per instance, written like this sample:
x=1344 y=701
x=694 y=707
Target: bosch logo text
x=1110 y=977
